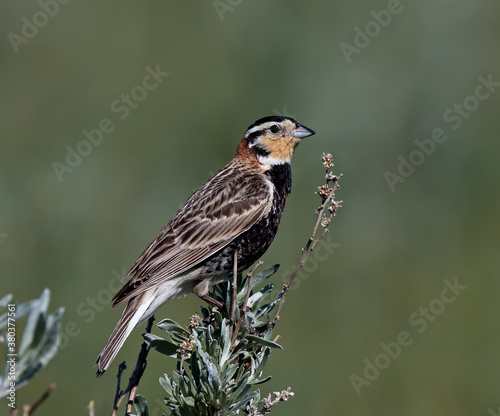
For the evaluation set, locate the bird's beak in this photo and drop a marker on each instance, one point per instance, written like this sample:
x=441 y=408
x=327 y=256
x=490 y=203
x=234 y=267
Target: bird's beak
x=302 y=131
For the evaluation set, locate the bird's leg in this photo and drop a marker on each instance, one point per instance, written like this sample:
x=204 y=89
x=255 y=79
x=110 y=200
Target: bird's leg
x=209 y=299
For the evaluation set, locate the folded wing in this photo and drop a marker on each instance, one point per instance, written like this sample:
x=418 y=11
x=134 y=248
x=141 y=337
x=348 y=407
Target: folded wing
x=222 y=209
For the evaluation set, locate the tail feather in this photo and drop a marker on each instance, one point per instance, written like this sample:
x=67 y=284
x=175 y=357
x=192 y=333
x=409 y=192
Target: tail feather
x=132 y=316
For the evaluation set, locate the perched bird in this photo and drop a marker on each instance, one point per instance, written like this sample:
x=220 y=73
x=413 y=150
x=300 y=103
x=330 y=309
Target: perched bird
x=237 y=210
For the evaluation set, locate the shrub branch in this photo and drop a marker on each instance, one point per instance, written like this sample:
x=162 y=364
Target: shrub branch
x=327 y=193
x=135 y=378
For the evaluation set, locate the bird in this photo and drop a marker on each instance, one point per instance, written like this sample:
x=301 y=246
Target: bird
x=237 y=211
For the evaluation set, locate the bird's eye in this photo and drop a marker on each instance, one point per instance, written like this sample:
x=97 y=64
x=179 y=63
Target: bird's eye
x=274 y=128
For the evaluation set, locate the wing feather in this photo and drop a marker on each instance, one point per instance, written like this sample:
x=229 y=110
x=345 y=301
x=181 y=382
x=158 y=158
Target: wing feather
x=222 y=209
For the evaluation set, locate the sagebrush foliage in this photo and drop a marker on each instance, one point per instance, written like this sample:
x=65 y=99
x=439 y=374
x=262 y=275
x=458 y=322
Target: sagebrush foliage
x=38 y=343
x=220 y=360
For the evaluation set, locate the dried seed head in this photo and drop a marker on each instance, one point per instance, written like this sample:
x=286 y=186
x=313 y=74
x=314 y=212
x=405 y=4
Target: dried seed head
x=326 y=159
x=194 y=321
x=186 y=347
x=323 y=191
x=335 y=205
x=282 y=396
x=285 y=394
x=253 y=411
x=188 y=344
x=331 y=177
x=325 y=221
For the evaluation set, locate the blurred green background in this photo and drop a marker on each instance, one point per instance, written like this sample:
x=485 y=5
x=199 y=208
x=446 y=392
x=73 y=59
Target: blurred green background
x=230 y=63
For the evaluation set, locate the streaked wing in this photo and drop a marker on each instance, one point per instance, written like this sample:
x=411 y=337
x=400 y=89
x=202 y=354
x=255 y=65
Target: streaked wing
x=226 y=206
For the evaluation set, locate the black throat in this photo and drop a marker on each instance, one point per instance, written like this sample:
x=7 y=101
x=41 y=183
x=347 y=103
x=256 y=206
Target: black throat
x=281 y=177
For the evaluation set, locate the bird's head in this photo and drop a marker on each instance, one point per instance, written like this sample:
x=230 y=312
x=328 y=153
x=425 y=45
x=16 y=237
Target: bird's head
x=272 y=140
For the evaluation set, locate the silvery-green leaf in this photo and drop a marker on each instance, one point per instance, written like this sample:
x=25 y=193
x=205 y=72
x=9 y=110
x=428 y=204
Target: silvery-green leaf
x=228 y=373
x=213 y=377
x=161 y=345
x=170 y=325
x=265 y=309
x=209 y=394
x=38 y=309
x=240 y=389
x=36 y=356
x=225 y=342
x=141 y=406
x=218 y=317
x=256 y=281
x=264 y=274
x=189 y=401
x=262 y=362
x=25 y=308
x=184 y=387
x=199 y=349
x=5 y=300
x=246 y=398
x=256 y=298
x=21 y=311
x=165 y=383
x=176 y=378
x=260 y=381
x=263 y=342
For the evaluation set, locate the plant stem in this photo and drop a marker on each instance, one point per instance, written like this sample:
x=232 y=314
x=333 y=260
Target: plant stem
x=306 y=251
x=247 y=296
x=235 y=286
x=30 y=409
x=134 y=379
x=90 y=408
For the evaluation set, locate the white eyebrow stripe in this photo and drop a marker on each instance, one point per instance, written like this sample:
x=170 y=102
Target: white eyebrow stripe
x=254 y=129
